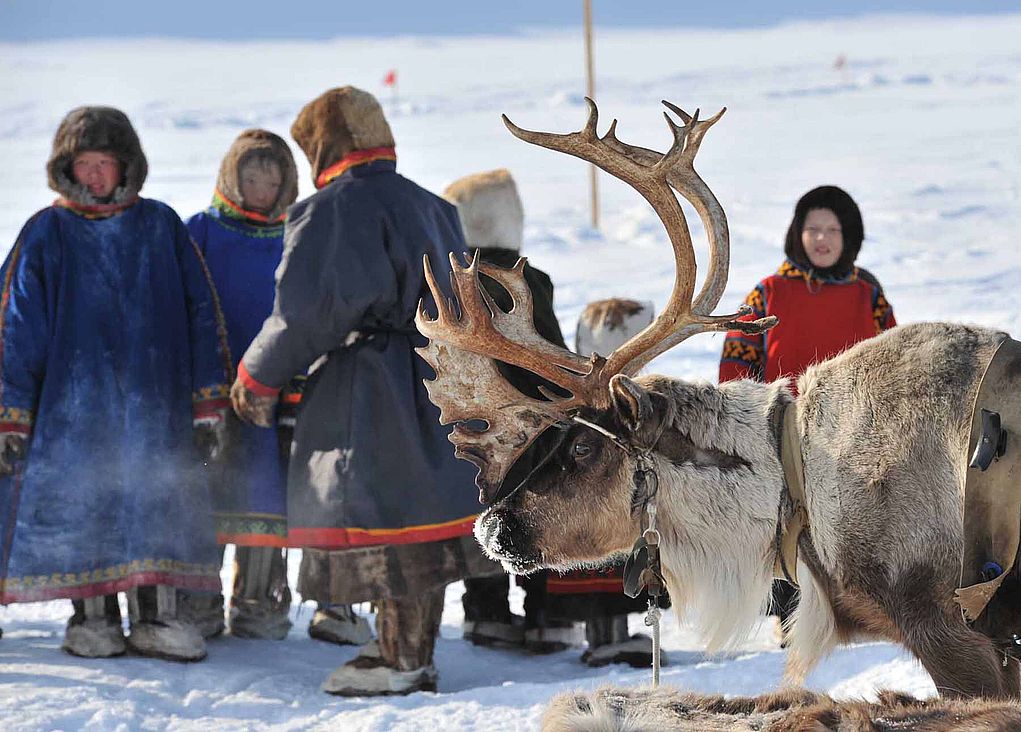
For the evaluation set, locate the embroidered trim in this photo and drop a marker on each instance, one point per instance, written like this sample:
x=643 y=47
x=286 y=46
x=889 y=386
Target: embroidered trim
x=234 y=211
x=15 y=419
x=253 y=385
x=789 y=270
x=100 y=211
x=109 y=580
x=250 y=230
x=251 y=529
x=358 y=157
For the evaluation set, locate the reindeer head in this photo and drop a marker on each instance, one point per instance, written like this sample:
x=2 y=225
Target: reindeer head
x=558 y=470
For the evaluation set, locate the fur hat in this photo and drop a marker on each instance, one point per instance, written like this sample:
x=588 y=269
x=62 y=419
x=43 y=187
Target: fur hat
x=846 y=210
x=258 y=145
x=490 y=210
x=338 y=122
x=99 y=129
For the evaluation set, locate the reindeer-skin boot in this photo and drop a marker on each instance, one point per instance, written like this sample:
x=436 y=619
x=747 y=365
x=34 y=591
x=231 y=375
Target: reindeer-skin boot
x=401 y=662
x=339 y=624
x=94 y=631
x=156 y=630
x=609 y=642
x=204 y=610
x=262 y=600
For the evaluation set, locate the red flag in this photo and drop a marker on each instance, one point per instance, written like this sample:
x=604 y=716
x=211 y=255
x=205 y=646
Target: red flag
x=391 y=78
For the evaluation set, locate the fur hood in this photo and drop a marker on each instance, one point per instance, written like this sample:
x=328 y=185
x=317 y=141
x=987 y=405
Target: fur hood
x=258 y=144
x=101 y=129
x=490 y=209
x=338 y=122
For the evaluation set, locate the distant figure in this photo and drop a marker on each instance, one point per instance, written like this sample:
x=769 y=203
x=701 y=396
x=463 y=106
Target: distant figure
x=824 y=302
x=375 y=495
x=241 y=236
x=606 y=324
x=113 y=390
x=493 y=220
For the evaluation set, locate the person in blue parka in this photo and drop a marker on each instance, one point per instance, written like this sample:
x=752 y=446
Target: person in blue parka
x=113 y=382
x=241 y=236
x=375 y=494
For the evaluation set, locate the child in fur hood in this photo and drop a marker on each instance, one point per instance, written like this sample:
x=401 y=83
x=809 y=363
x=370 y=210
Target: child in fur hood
x=241 y=236
x=113 y=377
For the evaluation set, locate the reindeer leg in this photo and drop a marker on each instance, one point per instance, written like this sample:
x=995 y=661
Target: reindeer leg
x=962 y=662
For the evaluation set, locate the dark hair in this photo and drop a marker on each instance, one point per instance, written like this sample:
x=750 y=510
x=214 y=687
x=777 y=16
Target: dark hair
x=846 y=210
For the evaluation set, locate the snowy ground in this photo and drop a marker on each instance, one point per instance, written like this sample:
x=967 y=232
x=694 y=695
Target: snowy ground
x=922 y=126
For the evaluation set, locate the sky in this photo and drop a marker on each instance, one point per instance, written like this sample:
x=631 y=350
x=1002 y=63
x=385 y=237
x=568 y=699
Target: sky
x=26 y=20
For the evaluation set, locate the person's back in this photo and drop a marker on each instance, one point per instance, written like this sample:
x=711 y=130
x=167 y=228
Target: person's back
x=372 y=483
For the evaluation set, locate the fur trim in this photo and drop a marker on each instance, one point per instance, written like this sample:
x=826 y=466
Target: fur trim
x=249 y=144
x=625 y=709
x=102 y=129
x=490 y=210
x=337 y=123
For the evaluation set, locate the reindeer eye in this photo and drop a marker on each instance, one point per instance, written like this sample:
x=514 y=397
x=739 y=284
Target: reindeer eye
x=581 y=449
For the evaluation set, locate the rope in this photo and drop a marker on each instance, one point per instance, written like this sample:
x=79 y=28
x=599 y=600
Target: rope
x=652 y=620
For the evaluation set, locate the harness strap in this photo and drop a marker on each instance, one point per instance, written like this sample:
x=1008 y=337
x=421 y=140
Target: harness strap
x=785 y=566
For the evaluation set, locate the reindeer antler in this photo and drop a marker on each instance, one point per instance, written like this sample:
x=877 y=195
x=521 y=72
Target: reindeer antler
x=484 y=330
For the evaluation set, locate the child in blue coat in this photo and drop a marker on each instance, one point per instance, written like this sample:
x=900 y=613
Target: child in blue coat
x=241 y=237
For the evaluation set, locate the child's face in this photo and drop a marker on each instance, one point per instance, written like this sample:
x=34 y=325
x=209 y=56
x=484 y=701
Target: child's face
x=822 y=238
x=260 y=185
x=99 y=172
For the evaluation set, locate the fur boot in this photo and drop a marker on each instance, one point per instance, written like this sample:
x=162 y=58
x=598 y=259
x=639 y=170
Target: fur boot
x=157 y=631
x=94 y=631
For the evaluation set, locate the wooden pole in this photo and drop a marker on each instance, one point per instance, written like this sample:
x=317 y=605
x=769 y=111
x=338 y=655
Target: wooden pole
x=590 y=87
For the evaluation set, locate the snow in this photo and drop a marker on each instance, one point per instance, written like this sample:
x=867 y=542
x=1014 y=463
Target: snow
x=921 y=126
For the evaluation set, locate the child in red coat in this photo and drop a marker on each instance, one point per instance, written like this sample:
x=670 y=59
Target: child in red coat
x=824 y=303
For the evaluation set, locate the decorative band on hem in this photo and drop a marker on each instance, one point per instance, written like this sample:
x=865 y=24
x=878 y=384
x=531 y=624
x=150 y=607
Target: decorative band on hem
x=350 y=538
x=201 y=583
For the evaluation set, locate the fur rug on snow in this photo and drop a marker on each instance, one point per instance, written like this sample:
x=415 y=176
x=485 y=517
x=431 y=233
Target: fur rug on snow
x=796 y=710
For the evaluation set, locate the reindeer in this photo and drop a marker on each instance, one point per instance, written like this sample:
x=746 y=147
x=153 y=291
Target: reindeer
x=883 y=430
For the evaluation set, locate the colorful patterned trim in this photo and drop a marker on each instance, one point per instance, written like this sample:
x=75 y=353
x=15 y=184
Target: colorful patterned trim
x=791 y=271
x=15 y=419
x=110 y=580
x=250 y=230
x=321 y=538
x=253 y=385
x=234 y=211
x=358 y=157
x=251 y=529
x=882 y=313
x=98 y=211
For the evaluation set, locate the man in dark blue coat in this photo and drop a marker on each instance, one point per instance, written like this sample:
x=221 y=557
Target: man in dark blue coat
x=374 y=493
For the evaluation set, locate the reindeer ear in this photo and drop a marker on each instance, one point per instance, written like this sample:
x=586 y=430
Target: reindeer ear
x=641 y=412
x=631 y=402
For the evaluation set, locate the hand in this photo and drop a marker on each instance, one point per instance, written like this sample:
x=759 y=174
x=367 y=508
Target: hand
x=13 y=448
x=250 y=407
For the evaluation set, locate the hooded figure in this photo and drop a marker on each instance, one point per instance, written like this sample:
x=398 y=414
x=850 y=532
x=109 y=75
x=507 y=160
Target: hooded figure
x=111 y=365
x=242 y=239
x=493 y=221
x=372 y=483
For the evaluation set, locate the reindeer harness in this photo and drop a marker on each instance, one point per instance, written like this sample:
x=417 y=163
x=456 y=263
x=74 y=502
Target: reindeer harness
x=785 y=565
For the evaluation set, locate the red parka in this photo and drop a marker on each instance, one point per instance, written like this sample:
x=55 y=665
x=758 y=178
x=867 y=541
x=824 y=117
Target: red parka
x=819 y=318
